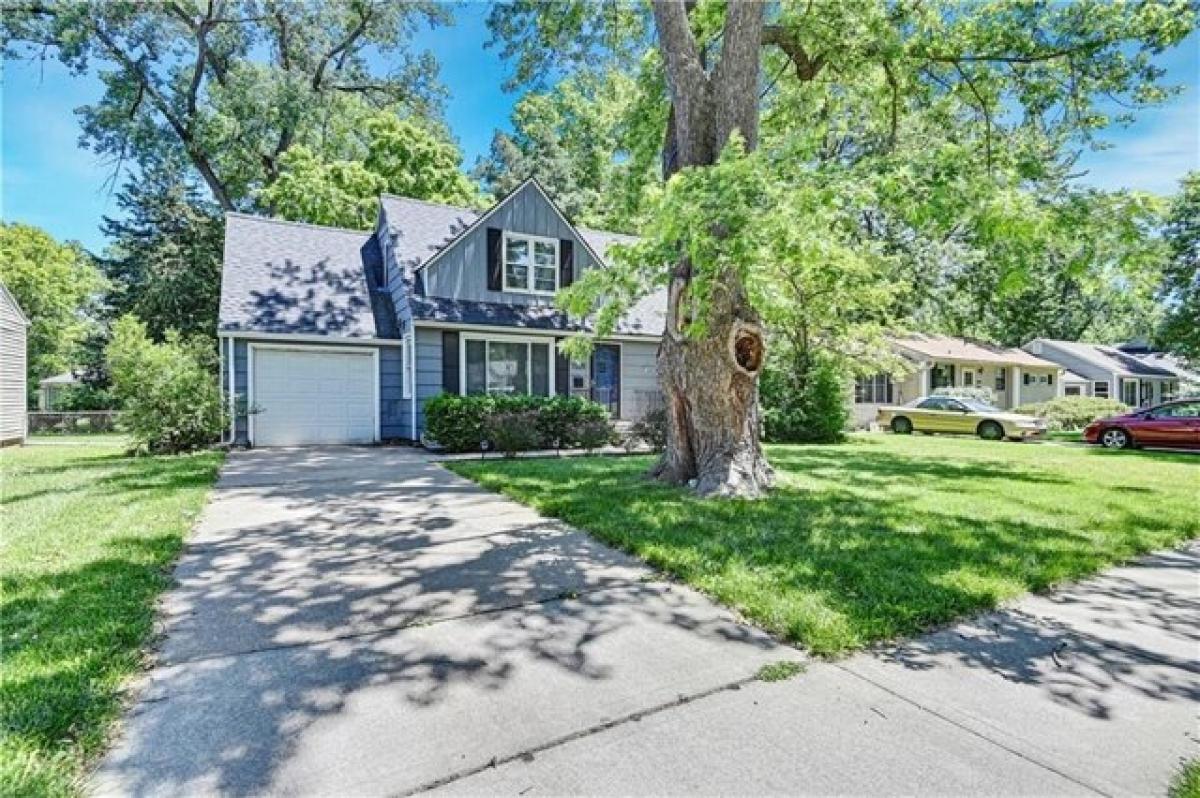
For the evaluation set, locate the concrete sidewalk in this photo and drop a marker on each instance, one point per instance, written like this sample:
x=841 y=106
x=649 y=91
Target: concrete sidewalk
x=363 y=622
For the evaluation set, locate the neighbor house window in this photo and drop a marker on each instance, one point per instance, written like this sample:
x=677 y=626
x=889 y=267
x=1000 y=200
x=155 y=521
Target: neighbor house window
x=1001 y=378
x=1100 y=390
x=1071 y=390
x=506 y=366
x=530 y=264
x=873 y=390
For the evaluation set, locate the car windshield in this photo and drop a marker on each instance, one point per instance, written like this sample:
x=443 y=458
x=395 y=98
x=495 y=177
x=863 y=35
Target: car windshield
x=978 y=406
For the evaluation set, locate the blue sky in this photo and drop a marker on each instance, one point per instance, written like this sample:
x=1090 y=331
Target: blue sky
x=47 y=180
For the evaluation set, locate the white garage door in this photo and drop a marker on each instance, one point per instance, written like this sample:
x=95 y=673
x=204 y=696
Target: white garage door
x=313 y=396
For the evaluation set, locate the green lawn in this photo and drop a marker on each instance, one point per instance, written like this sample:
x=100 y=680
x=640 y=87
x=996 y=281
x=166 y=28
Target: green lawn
x=88 y=538
x=880 y=537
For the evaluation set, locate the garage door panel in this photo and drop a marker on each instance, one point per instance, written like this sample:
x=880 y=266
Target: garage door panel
x=311 y=397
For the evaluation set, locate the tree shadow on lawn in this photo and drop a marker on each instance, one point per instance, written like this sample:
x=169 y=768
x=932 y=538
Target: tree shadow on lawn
x=160 y=473
x=833 y=568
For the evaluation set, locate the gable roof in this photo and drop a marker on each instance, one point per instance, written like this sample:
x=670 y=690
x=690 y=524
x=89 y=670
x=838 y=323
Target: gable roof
x=947 y=347
x=290 y=277
x=1107 y=358
x=1171 y=363
x=10 y=300
x=436 y=227
x=422 y=231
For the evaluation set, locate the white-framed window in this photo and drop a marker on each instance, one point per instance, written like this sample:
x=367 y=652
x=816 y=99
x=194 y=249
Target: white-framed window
x=873 y=390
x=530 y=263
x=1072 y=390
x=507 y=365
x=407 y=367
x=1100 y=389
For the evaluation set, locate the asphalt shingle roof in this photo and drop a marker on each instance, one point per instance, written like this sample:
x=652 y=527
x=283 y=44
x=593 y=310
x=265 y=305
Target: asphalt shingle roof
x=288 y=277
x=1111 y=359
x=951 y=348
x=421 y=229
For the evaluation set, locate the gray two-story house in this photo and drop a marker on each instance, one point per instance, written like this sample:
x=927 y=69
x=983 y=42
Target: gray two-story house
x=341 y=336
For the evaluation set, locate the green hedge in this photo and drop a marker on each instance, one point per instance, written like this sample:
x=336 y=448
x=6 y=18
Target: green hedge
x=1073 y=412
x=460 y=423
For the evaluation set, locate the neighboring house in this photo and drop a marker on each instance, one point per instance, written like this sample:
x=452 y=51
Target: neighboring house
x=339 y=336
x=1110 y=373
x=51 y=388
x=1189 y=379
x=14 y=330
x=1013 y=376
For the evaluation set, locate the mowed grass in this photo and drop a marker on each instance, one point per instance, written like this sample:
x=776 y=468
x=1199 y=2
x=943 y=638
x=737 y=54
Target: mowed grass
x=87 y=539
x=880 y=537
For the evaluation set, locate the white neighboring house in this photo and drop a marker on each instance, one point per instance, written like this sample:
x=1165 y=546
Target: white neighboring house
x=1014 y=377
x=51 y=388
x=14 y=332
x=1110 y=373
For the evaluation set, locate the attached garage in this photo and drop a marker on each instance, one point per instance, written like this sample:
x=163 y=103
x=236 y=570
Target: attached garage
x=313 y=395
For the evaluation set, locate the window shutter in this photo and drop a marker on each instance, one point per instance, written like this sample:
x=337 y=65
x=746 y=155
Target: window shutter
x=450 y=361
x=566 y=262
x=562 y=371
x=495 y=259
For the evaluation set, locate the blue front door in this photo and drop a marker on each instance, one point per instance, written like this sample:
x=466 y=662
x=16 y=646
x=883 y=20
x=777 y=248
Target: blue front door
x=606 y=377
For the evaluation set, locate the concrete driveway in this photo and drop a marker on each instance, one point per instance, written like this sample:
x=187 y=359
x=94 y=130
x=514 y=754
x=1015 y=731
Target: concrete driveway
x=362 y=622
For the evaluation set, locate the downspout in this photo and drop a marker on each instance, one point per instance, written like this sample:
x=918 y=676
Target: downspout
x=411 y=354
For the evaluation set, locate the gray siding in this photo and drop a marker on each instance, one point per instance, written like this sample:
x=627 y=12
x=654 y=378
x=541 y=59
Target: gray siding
x=1071 y=362
x=392 y=420
x=429 y=370
x=13 y=342
x=461 y=271
x=639 y=379
x=241 y=430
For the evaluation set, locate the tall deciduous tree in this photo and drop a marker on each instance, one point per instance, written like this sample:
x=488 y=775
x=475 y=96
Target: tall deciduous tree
x=582 y=141
x=231 y=85
x=1012 y=85
x=1181 y=285
x=53 y=283
x=164 y=261
x=402 y=157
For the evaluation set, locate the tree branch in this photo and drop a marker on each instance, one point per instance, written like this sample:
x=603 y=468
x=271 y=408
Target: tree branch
x=343 y=46
x=807 y=67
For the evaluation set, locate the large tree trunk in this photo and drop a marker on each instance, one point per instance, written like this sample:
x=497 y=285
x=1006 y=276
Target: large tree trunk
x=710 y=383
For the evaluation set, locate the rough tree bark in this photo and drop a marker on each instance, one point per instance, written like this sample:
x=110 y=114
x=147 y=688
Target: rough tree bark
x=710 y=383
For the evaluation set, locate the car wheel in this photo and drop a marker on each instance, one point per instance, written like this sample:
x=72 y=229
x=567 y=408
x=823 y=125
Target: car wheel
x=901 y=425
x=991 y=431
x=1114 y=438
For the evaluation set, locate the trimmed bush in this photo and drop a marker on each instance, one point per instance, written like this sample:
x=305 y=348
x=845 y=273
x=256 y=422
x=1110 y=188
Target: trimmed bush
x=461 y=423
x=593 y=434
x=651 y=429
x=513 y=431
x=1073 y=412
x=560 y=420
x=804 y=408
x=169 y=390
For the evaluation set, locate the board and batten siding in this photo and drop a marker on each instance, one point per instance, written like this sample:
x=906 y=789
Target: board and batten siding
x=461 y=270
x=14 y=331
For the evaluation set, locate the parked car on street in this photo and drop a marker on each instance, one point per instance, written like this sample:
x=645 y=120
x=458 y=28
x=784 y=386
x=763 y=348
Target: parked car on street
x=1172 y=424
x=961 y=416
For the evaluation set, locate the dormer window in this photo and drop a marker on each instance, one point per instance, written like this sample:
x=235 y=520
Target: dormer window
x=530 y=263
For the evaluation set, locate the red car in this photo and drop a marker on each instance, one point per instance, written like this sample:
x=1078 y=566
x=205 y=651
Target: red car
x=1174 y=424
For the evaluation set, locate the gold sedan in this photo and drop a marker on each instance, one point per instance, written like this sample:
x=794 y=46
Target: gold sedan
x=959 y=416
